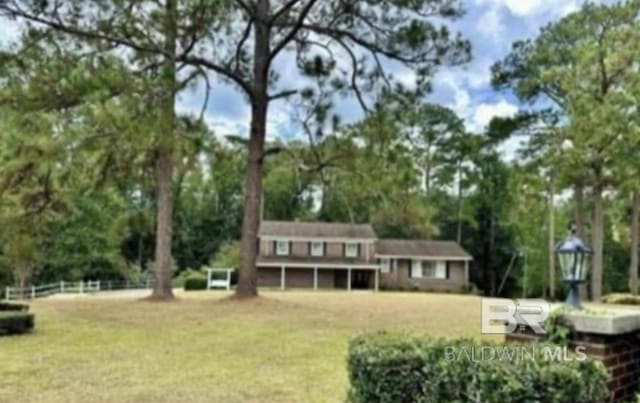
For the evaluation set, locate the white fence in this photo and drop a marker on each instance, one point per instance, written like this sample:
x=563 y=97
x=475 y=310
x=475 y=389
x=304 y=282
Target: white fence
x=67 y=287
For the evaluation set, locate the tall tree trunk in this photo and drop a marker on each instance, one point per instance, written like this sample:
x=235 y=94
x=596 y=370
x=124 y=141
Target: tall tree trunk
x=578 y=201
x=551 y=241
x=427 y=179
x=492 y=245
x=460 y=202
x=163 y=162
x=633 y=267
x=163 y=262
x=247 y=279
x=597 y=239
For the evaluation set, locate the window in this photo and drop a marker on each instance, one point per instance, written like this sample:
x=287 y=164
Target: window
x=351 y=249
x=282 y=248
x=416 y=269
x=429 y=269
x=385 y=265
x=316 y=248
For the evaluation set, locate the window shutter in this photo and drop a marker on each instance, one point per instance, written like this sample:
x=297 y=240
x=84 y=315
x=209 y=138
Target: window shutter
x=358 y=248
x=290 y=248
x=448 y=269
x=309 y=248
x=275 y=248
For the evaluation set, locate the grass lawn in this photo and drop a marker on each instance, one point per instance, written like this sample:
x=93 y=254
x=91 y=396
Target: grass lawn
x=281 y=347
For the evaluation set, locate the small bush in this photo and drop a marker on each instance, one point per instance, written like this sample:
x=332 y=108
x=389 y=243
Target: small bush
x=471 y=288
x=178 y=281
x=195 y=281
x=622 y=299
x=400 y=368
x=16 y=322
x=13 y=306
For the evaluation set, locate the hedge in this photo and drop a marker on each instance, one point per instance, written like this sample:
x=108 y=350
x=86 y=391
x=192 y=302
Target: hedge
x=386 y=367
x=195 y=281
x=16 y=322
x=13 y=306
x=622 y=299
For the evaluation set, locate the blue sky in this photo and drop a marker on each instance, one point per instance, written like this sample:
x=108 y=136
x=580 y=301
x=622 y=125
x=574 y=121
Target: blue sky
x=491 y=25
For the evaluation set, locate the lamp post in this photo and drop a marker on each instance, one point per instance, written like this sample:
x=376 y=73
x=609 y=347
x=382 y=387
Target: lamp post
x=575 y=260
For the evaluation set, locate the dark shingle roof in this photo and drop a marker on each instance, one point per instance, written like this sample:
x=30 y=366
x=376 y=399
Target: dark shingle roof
x=299 y=229
x=402 y=247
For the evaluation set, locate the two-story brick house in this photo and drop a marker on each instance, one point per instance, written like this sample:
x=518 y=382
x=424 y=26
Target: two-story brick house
x=350 y=256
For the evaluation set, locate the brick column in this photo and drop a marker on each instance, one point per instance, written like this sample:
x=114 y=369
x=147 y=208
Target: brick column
x=620 y=354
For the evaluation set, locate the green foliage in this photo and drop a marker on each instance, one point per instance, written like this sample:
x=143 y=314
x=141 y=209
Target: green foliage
x=556 y=328
x=13 y=322
x=389 y=367
x=195 y=281
x=622 y=299
x=228 y=256
x=179 y=280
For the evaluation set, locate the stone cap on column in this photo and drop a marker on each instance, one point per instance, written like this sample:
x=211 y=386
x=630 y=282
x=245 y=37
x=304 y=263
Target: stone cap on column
x=596 y=319
x=606 y=321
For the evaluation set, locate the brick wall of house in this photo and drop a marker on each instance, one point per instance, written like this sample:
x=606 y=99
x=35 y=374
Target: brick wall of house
x=620 y=354
x=301 y=249
x=400 y=279
x=268 y=277
x=334 y=249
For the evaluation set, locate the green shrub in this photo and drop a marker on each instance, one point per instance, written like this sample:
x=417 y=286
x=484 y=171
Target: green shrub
x=12 y=322
x=623 y=299
x=470 y=288
x=387 y=367
x=13 y=306
x=178 y=281
x=195 y=281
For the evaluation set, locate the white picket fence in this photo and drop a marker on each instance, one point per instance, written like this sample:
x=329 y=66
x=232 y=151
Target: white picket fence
x=67 y=287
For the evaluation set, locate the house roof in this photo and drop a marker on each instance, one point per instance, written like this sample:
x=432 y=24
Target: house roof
x=419 y=248
x=298 y=229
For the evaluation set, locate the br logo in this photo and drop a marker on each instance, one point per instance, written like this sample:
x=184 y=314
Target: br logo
x=502 y=316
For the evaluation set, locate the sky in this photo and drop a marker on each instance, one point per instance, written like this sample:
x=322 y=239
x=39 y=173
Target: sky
x=491 y=26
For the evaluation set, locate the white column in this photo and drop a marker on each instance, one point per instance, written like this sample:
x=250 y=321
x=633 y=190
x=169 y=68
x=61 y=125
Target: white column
x=62 y=286
x=315 y=278
x=377 y=278
x=466 y=273
x=348 y=278
x=33 y=292
x=228 y=279
x=208 y=279
x=282 y=279
x=81 y=286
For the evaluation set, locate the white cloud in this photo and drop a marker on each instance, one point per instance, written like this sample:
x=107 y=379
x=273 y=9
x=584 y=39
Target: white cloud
x=490 y=24
x=476 y=115
x=484 y=112
x=528 y=8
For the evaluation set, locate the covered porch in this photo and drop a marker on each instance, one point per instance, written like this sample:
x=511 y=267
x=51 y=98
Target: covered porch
x=317 y=276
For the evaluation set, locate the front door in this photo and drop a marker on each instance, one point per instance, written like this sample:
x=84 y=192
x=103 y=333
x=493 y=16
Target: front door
x=360 y=279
